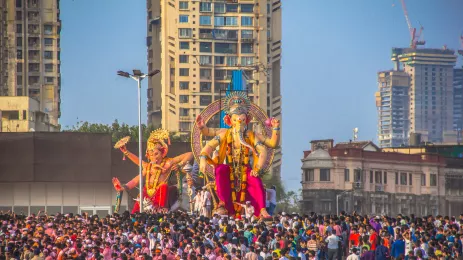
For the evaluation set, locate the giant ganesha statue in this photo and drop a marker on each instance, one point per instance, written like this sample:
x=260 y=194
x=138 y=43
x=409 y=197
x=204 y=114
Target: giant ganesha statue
x=236 y=158
x=158 y=192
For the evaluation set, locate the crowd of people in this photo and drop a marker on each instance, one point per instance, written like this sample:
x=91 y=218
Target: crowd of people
x=180 y=235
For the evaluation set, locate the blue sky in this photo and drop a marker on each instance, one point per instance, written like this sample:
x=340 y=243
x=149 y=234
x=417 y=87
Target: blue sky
x=332 y=50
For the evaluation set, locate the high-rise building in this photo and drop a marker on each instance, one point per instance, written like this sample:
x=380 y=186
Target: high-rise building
x=197 y=45
x=30 y=56
x=392 y=102
x=458 y=101
x=430 y=92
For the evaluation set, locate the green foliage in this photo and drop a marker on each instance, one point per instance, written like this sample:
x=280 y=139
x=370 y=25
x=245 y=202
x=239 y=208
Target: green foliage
x=118 y=131
x=287 y=201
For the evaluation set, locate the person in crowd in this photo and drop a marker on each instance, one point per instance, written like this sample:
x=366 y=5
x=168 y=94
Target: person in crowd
x=180 y=235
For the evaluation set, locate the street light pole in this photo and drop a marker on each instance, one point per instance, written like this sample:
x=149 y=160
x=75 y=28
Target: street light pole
x=337 y=200
x=138 y=76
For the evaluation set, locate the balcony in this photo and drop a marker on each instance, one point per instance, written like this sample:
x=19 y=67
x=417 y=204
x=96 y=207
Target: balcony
x=205 y=36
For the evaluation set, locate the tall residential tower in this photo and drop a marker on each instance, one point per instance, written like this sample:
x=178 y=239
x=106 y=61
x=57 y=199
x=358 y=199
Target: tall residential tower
x=30 y=60
x=197 y=45
x=430 y=95
x=392 y=104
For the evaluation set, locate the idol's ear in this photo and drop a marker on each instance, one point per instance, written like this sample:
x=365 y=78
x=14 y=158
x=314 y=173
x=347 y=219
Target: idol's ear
x=227 y=120
x=248 y=119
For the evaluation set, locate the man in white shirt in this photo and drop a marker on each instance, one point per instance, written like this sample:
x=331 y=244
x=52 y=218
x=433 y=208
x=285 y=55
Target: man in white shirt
x=332 y=241
x=272 y=200
x=248 y=210
x=354 y=255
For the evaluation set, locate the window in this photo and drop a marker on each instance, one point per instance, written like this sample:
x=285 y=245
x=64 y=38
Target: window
x=19 y=80
x=205 y=47
x=49 y=80
x=48 y=55
x=246 y=47
x=245 y=61
x=247 y=8
x=183 y=5
x=378 y=176
x=19 y=15
x=184 y=32
x=149 y=93
x=184 y=45
x=219 y=60
x=205 y=60
x=225 y=21
x=433 y=179
x=385 y=177
x=371 y=176
x=184 y=85
x=308 y=175
x=246 y=34
x=324 y=174
x=205 y=74
x=246 y=20
x=19 y=3
x=396 y=178
x=183 y=98
x=357 y=175
x=423 y=179
x=184 y=72
x=220 y=86
x=183 y=58
x=232 y=8
x=205 y=100
x=19 y=41
x=410 y=179
x=183 y=18
x=205 y=20
x=403 y=178
x=346 y=175
x=205 y=87
x=219 y=8
x=205 y=7
x=225 y=34
x=48 y=29
x=19 y=67
x=19 y=28
x=230 y=48
x=48 y=41
x=232 y=60
x=184 y=112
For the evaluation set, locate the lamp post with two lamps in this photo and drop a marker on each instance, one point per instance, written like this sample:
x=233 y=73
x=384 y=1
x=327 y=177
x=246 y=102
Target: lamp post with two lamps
x=138 y=76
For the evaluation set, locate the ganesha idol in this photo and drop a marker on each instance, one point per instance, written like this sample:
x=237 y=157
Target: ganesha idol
x=241 y=155
x=158 y=172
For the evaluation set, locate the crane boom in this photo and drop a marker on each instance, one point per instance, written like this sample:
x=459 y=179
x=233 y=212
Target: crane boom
x=414 y=35
x=404 y=7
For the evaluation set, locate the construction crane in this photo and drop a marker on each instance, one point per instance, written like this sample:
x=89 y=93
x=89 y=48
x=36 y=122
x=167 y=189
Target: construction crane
x=415 y=36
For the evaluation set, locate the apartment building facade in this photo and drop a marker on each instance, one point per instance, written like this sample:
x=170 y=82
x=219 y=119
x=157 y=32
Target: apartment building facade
x=458 y=102
x=364 y=178
x=430 y=92
x=197 y=45
x=30 y=54
x=392 y=103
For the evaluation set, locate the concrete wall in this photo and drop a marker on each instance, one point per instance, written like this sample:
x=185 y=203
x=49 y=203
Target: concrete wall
x=70 y=172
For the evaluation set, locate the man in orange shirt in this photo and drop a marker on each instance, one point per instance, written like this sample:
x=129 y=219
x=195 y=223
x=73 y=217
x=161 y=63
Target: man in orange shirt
x=373 y=238
x=354 y=238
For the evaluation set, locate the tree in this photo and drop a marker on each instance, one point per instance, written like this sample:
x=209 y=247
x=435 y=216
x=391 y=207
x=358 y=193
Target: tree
x=286 y=201
x=118 y=131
